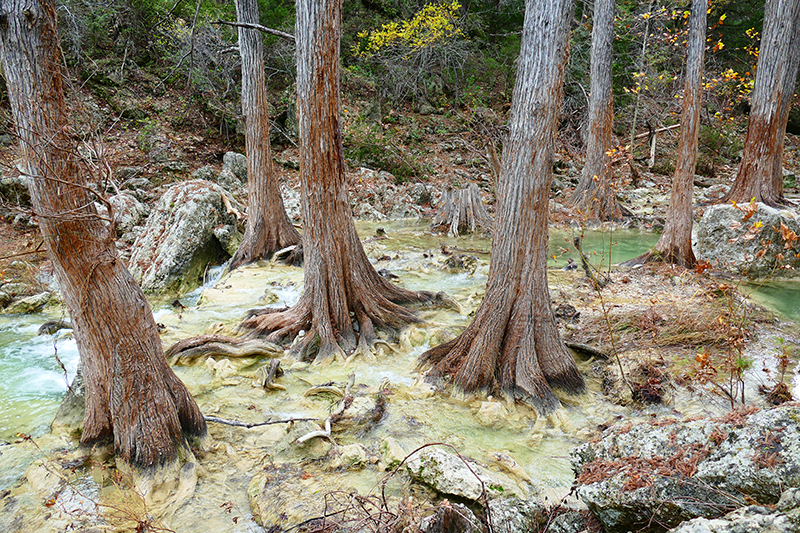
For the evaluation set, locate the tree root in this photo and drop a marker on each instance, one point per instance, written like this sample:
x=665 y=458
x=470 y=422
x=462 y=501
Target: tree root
x=190 y=350
x=347 y=400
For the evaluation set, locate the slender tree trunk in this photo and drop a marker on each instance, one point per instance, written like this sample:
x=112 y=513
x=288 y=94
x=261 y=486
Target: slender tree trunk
x=341 y=286
x=594 y=193
x=268 y=228
x=778 y=58
x=513 y=344
x=675 y=243
x=132 y=394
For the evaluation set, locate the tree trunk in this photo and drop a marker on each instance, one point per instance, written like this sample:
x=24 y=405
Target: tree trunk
x=341 y=286
x=268 y=228
x=462 y=211
x=675 y=243
x=513 y=344
x=770 y=102
x=594 y=194
x=132 y=394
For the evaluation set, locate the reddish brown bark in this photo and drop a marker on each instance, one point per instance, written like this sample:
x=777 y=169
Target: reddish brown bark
x=132 y=394
x=268 y=228
x=513 y=344
x=594 y=194
x=339 y=279
x=760 y=172
x=675 y=243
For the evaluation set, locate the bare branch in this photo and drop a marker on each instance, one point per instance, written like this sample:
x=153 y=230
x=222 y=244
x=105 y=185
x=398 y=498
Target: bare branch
x=259 y=27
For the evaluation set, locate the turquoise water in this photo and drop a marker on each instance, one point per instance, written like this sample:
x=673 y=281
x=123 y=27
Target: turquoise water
x=33 y=380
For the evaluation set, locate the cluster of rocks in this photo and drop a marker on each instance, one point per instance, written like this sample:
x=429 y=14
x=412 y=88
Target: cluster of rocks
x=23 y=298
x=170 y=234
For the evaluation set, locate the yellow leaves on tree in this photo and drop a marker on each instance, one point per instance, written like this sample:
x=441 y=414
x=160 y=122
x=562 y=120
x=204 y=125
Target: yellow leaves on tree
x=434 y=24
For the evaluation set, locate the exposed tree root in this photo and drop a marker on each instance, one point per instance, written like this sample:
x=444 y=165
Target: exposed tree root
x=316 y=336
x=190 y=350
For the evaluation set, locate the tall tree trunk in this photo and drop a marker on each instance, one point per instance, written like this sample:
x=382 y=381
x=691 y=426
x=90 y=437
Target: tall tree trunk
x=268 y=228
x=594 y=194
x=513 y=344
x=341 y=286
x=675 y=243
x=132 y=394
x=778 y=58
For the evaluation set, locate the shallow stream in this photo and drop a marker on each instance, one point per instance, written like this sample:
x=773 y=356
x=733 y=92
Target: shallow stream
x=33 y=381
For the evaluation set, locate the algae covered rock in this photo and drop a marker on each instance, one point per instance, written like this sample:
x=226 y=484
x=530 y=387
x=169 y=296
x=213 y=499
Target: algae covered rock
x=654 y=476
x=449 y=474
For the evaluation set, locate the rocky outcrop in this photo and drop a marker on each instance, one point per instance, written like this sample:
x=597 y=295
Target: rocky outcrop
x=649 y=477
x=180 y=236
x=757 y=241
x=783 y=518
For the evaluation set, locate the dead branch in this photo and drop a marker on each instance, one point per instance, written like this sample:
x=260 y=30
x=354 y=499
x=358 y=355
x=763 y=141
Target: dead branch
x=239 y=424
x=259 y=27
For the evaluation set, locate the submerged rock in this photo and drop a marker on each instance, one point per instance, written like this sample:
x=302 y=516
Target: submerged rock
x=179 y=239
x=284 y=496
x=448 y=474
x=758 y=241
x=649 y=477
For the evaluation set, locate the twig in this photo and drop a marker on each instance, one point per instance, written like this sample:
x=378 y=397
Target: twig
x=191 y=44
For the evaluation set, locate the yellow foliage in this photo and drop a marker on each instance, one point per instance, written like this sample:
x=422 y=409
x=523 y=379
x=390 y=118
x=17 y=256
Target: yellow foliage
x=433 y=24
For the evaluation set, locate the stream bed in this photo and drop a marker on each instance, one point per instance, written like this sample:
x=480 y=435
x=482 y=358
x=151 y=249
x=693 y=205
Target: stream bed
x=34 y=381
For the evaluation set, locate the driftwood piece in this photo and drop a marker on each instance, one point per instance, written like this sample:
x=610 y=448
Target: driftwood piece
x=190 y=350
x=461 y=211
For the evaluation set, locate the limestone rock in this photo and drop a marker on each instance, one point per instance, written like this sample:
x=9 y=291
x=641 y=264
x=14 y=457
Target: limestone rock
x=492 y=413
x=283 y=496
x=237 y=164
x=353 y=456
x=785 y=518
x=128 y=211
x=448 y=474
x=754 y=246
x=15 y=190
x=512 y=515
x=204 y=173
x=28 y=305
x=392 y=453
x=228 y=180
x=637 y=477
x=179 y=241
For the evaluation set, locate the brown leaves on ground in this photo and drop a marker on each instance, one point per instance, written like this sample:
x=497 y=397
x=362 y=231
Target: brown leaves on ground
x=641 y=472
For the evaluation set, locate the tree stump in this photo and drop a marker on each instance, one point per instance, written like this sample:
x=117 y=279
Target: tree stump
x=461 y=211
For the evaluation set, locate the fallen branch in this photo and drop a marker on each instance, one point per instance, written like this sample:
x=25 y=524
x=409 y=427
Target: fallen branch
x=236 y=423
x=334 y=416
